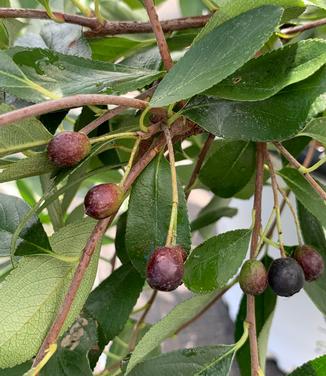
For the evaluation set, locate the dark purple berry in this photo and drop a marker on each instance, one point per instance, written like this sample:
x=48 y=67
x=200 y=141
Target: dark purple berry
x=165 y=268
x=253 y=277
x=310 y=261
x=68 y=148
x=103 y=200
x=285 y=276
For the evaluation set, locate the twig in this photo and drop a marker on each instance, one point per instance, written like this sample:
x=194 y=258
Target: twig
x=69 y=102
x=109 y=27
x=297 y=165
x=310 y=153
x=275 y=188
x=251 y=314
x=304 y=27
x=199 y=163
x=159 y=34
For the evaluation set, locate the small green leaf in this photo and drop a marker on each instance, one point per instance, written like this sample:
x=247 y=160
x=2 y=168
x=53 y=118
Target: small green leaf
x=149 y=214
x=120 y=239
x=217 y=55
x=32 y=239
x=212 y=216
x=229 y=167
x=37 y=286
x=265 y=76
x=166 y=327
x=213 y=263
x=316 y=367
x=316 y=129
x=4 y=36
x=111 y=303
x=305 y=193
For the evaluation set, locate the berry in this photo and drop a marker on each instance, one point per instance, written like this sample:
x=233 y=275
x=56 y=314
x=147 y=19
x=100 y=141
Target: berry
x=68 y=148
x=165 y=268
x=310 y=261
x=103 y=200
x=285 y=276
x=253 y=277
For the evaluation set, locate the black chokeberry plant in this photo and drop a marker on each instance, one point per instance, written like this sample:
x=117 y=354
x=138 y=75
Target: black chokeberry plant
x=105 y=138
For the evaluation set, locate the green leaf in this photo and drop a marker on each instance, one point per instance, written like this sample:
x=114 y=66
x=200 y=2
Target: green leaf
x=267 y=120
x=313 y=234
x=217 y=55
x=318 y=3
x=265 y=308
x=149 y=213
x=23 y=135
x=32 y=239
x=37 y=286
x=304 y=193
x=23 y=168
x=316 y=367
x=191 y=8
x=228 y=9
x=316 y=129
x=188 y=362
x=120 y=239
x=17 y=370
x=212 y=216
x=229 y=167
x=265 y=76
x=4 y=36
x=37 y=74
x=166 y=327
x=111 y=303
x=213 y=263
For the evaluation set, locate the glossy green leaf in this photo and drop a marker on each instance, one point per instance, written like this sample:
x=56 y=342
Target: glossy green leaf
x=212 y=216
x=313 y=234
x=4 y=36
x=191 y=8
x=277 y=118
x=149 y=213
x=167 y=326
x=305 y=193
x=32 y=239
x=213 y=263
x=229 y=167
x=189 y=362
x=23 y=135
x=264 y=308
x=265 y=76
x=316 y=129
x=37 y=74
x=316 y=367
x=217 y=55
x=111 y=303
x=37 y=286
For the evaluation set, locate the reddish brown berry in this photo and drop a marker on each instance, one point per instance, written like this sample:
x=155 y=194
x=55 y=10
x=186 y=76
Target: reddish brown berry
x=103 y=200
x=68 y=148
x=285 y=276
x=253 y=277
x=165 y=268
x=310 y=261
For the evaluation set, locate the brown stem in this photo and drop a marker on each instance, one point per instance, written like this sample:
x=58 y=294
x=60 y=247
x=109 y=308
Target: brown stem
x=69 y=102
x=306 y=26
x=251 y=315
x=297 y=165
x=109 y=27
x=159 y=34
x=310 y=153
x=199 y=163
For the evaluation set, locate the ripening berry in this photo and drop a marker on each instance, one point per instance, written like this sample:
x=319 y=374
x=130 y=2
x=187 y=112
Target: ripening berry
x=285 y=276
x=310 y=261
x=253 y=277
x=165 y=268
x=68 y=148
x=103 y=200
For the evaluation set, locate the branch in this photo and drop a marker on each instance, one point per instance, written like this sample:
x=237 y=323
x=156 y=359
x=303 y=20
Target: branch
x=69 y=102
x=109 y=27
x=297 y=165
x=199 y=163
x=306 y=26
x=251 y=314
x=159 y=34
